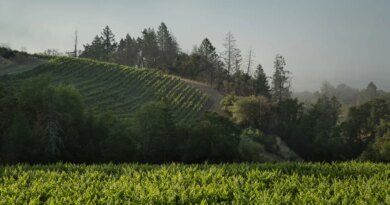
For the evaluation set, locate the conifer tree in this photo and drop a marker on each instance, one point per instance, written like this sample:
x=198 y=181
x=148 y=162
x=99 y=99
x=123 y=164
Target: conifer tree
x=261 y=86
x=280 y=80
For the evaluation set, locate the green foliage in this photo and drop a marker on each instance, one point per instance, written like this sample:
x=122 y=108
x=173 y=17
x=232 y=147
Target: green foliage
x=227 y=102
x=95 y=50
x=251 y=150
x=361 y=125
x=127 y=51
x=256 y=135
x=155 y=131
x=261 y=86
x=253 y=111
x=149 y=48
x=276 y=183
x=48 y=123
x=315 y=134
x=213 y=139
x=379 y=149
x=7 y=52
x=167 y=46
x=108 y=42
x=280 y=80
x=209 y=61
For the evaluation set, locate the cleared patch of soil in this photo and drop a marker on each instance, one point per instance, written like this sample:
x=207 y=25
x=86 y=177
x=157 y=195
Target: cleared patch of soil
x=215 y=95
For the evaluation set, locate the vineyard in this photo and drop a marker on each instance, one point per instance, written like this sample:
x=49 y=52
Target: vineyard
x=285 y=183
x=118 y=89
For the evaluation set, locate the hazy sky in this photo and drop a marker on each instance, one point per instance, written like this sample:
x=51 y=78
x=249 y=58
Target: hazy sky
x=334 y=40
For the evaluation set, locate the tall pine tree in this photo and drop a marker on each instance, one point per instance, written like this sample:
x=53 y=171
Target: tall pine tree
x=167 y=46
x=109 y=45
x=261 y=86
x=209 y=59
x=94 y=50
x=148 y=48
x=280 y=80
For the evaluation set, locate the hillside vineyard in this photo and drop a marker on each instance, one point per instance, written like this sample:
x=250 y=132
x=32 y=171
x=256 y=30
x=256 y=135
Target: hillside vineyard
x=119 y=89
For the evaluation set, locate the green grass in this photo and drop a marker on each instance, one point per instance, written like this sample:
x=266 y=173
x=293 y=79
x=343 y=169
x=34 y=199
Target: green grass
x=285 y=183
x=118 y=89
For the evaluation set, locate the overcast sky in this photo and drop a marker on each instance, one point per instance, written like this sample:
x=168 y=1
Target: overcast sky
x=334 y=40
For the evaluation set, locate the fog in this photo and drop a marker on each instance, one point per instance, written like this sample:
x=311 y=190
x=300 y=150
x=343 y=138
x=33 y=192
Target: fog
x=327 y=40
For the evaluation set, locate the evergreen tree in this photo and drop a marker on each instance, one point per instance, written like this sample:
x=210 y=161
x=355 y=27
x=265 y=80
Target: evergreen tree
x=94 y=50
x=209 y=59
x=280 y=80
x=127 y=52
x=261 y=86
x=369 y=93
x=109 y=45
x=168 y=47
x=154 y=126
x=148 y=48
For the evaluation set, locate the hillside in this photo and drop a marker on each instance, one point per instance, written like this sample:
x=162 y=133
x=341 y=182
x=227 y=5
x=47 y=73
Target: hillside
x=18 y=63
x=215 y=95
x=120 y=90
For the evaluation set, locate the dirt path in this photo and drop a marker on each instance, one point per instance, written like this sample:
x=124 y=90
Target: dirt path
x=215 y=95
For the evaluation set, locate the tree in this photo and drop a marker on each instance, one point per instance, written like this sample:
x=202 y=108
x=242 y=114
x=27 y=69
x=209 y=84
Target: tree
x=127 y=52
x=167 y=46
x=153 y=125
x=369 y=93
x=232 y=55
x=360 y=128
x=289 y=116
x=261 y=86
x=379 y=149
x=209 y=59
x=44 y=123
x=95 y=50
x=317 y=137
x=280 y=80
x=108 y=41
x=253 y=111
x=249 y=62
x=214 y=138
x=188 y=65
x=148 y=48
x=52 y=52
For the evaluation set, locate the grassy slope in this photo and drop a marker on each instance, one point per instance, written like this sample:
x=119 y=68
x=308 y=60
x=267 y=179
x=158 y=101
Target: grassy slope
x=120 y=89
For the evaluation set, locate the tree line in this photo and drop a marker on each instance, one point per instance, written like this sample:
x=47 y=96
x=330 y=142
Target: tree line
x=228 y=71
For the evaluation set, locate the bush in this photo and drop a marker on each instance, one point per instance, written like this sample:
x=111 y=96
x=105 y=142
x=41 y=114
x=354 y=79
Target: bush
x=214 y=139
x=379 y=150
x=253 y=111
x=256 y=135
x=155 y=130
x=6 y=52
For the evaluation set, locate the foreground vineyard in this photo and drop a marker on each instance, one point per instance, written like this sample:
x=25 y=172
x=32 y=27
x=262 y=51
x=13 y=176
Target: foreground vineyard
x=120 y=89
x=287 y=183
